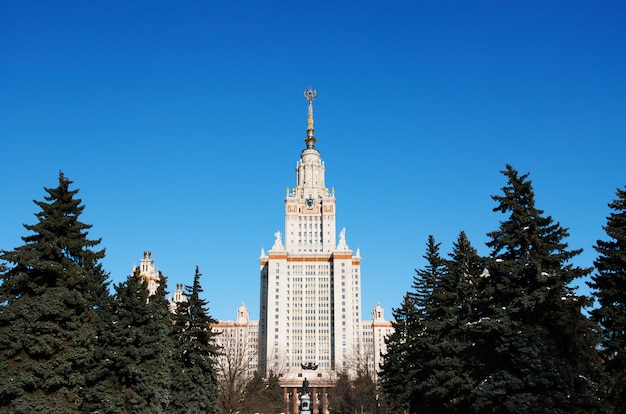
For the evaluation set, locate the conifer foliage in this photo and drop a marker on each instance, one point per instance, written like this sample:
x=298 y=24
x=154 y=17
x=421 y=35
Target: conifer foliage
x=53 y=290
x=354 y=393
x=400 y=363
x=68 y=346
x=609 y=283
x=426 y=368
x=411 y=347
x=535 y=347
x=195 y=383
x=261 y=395
x=451 y=309
x=501 y=334
x=138 y=350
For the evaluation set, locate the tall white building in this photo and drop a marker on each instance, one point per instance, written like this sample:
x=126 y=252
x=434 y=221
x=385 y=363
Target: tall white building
x=310 y=299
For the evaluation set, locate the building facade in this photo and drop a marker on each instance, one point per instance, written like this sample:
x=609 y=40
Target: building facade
x=239 y=340
x=310 y=290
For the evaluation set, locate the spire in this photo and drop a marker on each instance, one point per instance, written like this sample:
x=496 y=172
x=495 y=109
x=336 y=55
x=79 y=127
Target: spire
x=310 y=94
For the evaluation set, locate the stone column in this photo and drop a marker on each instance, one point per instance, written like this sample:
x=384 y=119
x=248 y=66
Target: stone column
x=324 y=400
x=313 y=400
x=294 y=400
x=285 y=400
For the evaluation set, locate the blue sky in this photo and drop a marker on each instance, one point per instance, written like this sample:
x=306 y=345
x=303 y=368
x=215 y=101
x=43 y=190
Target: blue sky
x=181 y=124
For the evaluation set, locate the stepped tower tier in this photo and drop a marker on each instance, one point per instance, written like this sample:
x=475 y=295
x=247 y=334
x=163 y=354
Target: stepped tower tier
x=309 y=206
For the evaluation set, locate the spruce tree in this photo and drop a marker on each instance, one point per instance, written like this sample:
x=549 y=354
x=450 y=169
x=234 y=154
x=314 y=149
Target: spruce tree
x=260 y=395
x=406 y=365
x=195 y=375
x=139 y=349
x=451 y=308
x=534 y=346
x=609 y=284
x=425 y=351
x=425 y=279
x=52 y=295
x=399 y=364
x=341 y=400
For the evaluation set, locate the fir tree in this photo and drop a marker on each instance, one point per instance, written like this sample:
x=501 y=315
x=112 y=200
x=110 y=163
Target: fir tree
x=139 y=349
x=407 y=366
x=467 y=270
x=195 y=378
x=52 y=295
x=609 y=283
x=341 y=400
x=425 y=351
x=451 y=308
x=425 y=279
x=535 y=347
x=399 y=364
x=262 y=395
x=353 y=394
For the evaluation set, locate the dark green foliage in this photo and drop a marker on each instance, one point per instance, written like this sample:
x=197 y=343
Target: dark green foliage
x=404 y=371
x=399 y=364
x=52 y=298
x=424 y=353
x=425 y=279
x=340 y=399
x=195 y=387
x=351 y=395
x=609 y=283
x=138 y=350
x=451 y=309
x=261 y=395
x=534 y=347
x=427 y=367
x=503 y=334
x=67 y=346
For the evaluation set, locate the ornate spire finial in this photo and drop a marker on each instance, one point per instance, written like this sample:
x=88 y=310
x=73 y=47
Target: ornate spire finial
x=310 y=95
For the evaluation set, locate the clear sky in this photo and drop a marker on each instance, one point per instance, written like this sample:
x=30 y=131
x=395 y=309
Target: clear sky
x=181 y=124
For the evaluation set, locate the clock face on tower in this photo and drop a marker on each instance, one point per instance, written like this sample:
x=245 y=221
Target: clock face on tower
x=309 y=202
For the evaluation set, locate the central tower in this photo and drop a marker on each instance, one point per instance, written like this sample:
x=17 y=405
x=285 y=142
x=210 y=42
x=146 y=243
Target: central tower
x=310 y=305
x=309 y=207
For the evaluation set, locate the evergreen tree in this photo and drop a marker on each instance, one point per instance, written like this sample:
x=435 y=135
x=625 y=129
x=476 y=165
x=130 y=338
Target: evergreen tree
x=262 y=395
x=52 y=295
x=447 y=386
x=364 y=393
x=162 y=348
x=398 y=363
x=139 y=349
x=466 y=268
x=341 y=399
x=609 y=283
x=424 y=348
x=425 y=279
x=534 y=346
x=195 y=379
x=356 y=394
x=410 y=350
